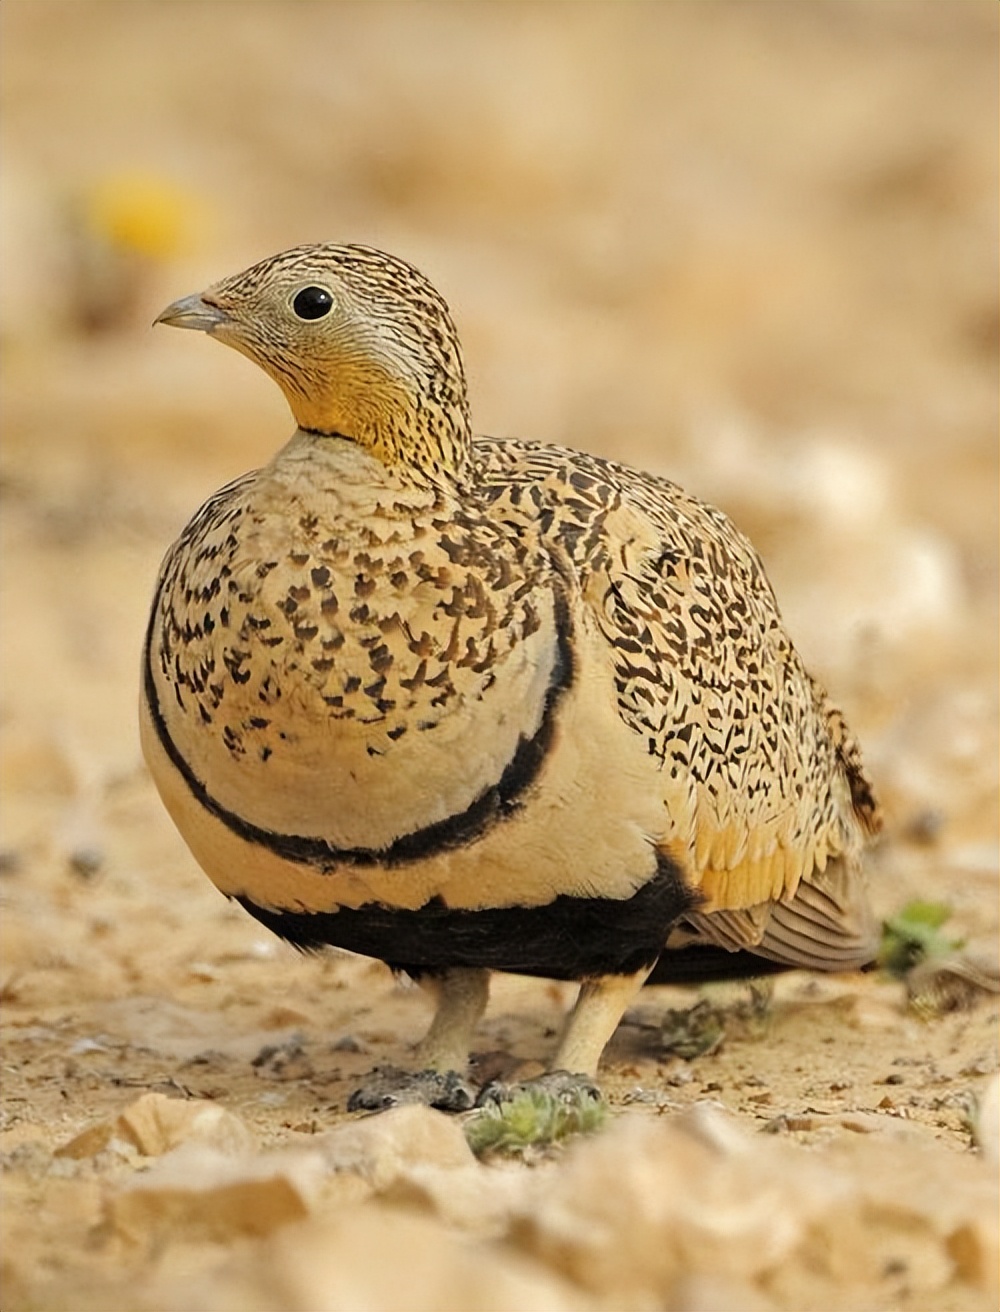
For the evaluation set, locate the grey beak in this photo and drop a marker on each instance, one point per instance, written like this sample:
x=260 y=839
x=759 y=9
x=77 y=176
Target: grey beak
x=192 y=312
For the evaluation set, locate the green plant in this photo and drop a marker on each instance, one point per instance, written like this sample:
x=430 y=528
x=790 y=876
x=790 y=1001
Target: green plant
x=533 y=1119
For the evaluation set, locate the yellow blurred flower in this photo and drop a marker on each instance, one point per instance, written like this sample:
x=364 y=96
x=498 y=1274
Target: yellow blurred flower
x=143 y=214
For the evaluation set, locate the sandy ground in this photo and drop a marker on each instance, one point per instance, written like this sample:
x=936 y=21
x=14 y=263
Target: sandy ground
x=748 y=245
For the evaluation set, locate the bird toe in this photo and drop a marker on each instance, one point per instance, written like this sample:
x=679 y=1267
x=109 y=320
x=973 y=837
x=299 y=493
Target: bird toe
x=562 y=1086
x=388 y=1086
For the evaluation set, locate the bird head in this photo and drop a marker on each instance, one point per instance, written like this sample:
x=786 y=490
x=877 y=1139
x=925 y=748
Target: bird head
x=361 y=345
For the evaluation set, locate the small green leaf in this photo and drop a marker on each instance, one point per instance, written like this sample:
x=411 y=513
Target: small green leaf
x=913 y=936
x=533 y=1118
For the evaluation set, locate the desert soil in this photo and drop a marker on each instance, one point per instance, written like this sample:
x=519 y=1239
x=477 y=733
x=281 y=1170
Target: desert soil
x=750 y=246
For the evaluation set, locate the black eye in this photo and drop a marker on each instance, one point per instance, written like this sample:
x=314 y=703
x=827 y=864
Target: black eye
x=312 y=303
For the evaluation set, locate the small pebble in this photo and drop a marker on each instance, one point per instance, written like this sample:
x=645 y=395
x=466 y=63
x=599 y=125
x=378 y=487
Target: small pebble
x=348 y=1043
x=86 y=861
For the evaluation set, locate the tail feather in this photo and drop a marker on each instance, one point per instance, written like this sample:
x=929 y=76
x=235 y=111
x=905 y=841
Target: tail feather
x=827 y=925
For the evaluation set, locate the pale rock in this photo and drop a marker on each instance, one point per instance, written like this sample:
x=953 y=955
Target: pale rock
x=88 y=1143
x=383 y=1147
x=197 y=1193
x=651 y=1203
x=951 y=1208
x=379 y=1259
x=155 y=1124
x=477 y=1199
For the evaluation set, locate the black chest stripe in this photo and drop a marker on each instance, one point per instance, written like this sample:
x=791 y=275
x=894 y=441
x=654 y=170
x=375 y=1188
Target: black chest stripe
x=494 y=804
x=568 y=938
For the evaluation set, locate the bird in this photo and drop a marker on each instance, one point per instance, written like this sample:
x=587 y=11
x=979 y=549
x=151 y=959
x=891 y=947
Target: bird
x=467 y=705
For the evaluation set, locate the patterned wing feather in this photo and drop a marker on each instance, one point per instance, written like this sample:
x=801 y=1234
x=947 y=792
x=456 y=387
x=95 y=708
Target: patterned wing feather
x=762 y=781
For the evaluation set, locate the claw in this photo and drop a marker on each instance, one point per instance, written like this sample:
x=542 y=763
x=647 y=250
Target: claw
x=391 y=1087
x=563 y=1086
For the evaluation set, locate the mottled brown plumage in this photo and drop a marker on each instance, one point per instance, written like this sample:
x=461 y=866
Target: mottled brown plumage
x=481 y=704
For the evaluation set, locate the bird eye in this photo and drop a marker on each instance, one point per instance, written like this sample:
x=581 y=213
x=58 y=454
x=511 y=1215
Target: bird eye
x=312 y=303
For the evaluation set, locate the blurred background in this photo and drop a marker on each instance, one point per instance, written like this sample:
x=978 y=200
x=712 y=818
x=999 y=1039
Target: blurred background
x=748 y=244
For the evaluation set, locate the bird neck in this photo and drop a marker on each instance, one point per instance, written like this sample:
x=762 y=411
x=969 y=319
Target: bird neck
x=422 y=435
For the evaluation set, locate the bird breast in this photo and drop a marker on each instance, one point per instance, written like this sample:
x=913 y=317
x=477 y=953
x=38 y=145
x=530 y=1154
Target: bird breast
x=347 y=678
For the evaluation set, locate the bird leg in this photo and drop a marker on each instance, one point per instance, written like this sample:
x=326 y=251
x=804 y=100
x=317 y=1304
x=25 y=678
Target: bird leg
x=441 y=1056
x=599 y=1007
x=460 y=996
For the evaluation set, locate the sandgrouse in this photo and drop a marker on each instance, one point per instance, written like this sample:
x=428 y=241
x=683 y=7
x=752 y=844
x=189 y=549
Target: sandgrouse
x=467 y=704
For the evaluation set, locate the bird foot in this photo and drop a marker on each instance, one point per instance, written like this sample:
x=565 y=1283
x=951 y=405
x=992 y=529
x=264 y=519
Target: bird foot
x=563 y=1086
x=388 y=1086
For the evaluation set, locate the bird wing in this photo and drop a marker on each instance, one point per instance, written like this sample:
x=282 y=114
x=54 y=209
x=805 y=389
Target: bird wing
x=762 y=782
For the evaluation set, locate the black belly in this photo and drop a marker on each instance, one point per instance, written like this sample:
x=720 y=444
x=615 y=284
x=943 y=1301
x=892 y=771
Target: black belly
x=568 y=938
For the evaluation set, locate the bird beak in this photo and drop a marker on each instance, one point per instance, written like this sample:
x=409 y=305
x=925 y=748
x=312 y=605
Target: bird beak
x=192 y=312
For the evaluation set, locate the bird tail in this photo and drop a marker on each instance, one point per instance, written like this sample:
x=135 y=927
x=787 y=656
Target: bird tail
x=827 y=925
